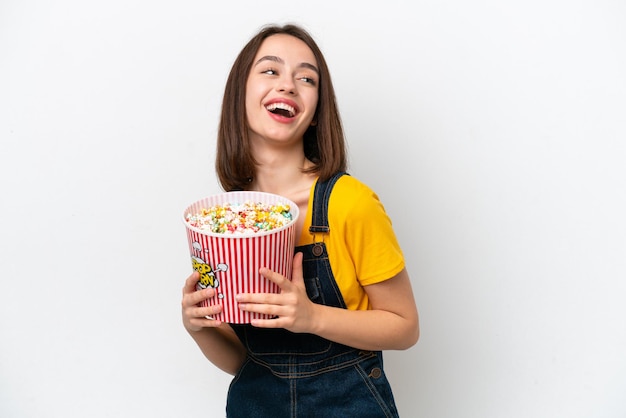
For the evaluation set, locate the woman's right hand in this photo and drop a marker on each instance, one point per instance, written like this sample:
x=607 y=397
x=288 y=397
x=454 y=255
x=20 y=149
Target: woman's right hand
x=195 y=316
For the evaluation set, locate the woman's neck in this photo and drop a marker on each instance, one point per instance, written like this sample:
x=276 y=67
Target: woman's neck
x=283 y=177
x=281 y=171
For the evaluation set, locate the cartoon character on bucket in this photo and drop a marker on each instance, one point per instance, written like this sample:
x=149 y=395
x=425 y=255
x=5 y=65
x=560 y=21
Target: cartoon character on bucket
x=208 y=277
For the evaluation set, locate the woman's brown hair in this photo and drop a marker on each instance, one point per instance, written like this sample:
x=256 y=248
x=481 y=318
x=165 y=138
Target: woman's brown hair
x=324 y=143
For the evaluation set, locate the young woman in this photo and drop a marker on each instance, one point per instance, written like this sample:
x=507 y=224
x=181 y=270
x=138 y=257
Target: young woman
x=350 y=296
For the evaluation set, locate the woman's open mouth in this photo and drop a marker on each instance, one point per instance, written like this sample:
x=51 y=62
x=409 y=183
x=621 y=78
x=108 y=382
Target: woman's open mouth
x=282 y=109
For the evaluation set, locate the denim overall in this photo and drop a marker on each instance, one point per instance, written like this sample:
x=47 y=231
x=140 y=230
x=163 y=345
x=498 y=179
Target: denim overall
x=289 y=375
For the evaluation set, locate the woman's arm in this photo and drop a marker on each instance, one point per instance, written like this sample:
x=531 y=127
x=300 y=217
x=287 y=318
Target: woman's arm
x=217 y=341
x=391 y=324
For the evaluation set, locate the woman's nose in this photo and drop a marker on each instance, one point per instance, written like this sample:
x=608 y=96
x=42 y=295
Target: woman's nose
x=286 y=85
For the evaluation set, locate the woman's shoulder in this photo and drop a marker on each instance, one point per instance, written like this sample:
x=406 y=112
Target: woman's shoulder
x=351 y=194
x=350 y=185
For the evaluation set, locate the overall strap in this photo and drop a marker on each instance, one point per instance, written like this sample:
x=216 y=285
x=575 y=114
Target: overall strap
x=321 y=196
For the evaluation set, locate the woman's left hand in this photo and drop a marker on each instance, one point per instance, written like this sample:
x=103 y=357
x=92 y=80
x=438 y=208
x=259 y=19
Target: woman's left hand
x=292 y=307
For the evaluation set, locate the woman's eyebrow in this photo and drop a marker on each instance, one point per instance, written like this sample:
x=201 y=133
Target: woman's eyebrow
x=281 y=61
x=309 y=66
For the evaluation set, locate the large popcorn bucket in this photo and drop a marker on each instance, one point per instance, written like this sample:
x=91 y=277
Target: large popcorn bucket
x=230 y=262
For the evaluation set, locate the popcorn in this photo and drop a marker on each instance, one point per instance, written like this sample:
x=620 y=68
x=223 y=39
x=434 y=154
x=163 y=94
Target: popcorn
x=241 y=218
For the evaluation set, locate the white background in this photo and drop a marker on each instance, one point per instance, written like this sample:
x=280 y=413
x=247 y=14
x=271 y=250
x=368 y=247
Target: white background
x=493 y=132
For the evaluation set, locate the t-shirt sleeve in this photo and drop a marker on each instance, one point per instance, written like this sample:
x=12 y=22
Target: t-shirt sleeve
x=368 y=231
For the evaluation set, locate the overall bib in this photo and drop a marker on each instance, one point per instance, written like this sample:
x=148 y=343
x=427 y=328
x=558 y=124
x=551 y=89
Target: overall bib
x=289 y=375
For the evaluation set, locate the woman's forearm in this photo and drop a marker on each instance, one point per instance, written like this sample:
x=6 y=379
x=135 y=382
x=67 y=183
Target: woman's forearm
x=221 y=346
x=367 y=330
x=391 y=324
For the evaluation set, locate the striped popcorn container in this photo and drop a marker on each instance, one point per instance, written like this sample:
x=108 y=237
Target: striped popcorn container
x=228 y=247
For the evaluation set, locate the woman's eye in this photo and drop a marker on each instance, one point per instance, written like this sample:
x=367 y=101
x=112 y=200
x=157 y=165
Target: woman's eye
x=269 y=72
x=308 y=80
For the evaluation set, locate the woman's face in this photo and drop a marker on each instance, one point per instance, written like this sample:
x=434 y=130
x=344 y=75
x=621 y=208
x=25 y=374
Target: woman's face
x=282 y=90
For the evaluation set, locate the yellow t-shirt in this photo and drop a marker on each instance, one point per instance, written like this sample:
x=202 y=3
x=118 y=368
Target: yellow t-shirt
x=362 y=246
